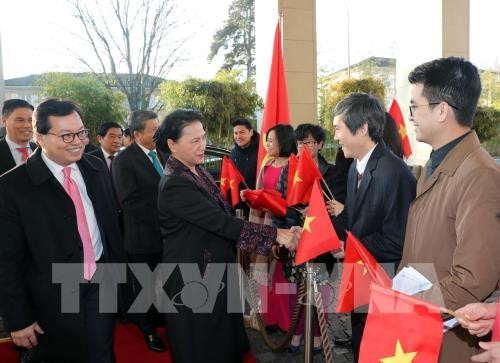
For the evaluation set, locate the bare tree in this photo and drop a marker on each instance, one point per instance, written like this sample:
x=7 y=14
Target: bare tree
x=136 y=44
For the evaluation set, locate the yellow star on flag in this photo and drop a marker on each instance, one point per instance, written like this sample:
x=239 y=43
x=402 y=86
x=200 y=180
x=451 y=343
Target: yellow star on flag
x=402 y=132
x=362 y=264
x=399 y=356
x=223 y=181
x=231 y=183
x=296 y=178
x=307 y=223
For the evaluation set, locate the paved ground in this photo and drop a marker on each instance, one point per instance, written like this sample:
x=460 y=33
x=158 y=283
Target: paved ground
x=339 y=327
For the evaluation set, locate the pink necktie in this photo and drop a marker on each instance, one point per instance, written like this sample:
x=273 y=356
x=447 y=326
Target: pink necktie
x=24 y=152
x=71 y=188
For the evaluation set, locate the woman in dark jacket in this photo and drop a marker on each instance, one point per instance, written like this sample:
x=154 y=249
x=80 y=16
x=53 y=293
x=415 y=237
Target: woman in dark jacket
x=199 y=241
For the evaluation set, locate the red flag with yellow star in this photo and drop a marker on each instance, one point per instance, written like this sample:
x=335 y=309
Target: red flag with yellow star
x=395 y=112
x=412 y=329
x=318 y=235
x=224 y=177
x=276 y=109
x=235 y=178
x=300 y=186
x=360 y=270
x=267 y=200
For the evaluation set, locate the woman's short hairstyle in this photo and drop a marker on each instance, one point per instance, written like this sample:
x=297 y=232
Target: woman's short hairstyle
x=286 y=139
x=173 y=124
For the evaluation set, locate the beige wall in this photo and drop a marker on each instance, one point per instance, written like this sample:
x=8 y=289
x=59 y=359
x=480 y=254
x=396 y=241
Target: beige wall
x=299 y=53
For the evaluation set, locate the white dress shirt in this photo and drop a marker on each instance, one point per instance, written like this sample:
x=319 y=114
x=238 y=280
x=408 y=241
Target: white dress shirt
x=18 y=157
x=361 y=164
x=106 y=157
x=77 y=177
x=147 y=151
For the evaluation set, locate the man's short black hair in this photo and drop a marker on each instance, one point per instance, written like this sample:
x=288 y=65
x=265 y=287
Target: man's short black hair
x=53 y=107
x=453 y=80
x=10 y=105
x=360 y=108
x=104 y=128
x=242 y=122
x=304 y=130
x=126 y=132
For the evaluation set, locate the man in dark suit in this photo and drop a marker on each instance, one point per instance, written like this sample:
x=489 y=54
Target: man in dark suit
x=58 y=208
x=110 y=136
x=16 y=147
x=380 y=187
x=136 y=174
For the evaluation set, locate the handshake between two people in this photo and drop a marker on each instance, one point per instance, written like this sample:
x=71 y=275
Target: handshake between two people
x=289 y=238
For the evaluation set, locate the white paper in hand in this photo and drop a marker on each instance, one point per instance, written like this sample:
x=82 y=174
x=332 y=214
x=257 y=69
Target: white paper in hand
x=410 y=281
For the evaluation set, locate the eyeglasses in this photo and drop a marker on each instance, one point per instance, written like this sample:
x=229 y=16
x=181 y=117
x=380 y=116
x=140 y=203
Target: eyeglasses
x=413 y=107
x=70 y=136
x=307 y=143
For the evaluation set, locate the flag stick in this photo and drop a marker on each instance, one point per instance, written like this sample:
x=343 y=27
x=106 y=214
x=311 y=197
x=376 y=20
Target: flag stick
x=448 y=311
x=326 y=196
x=327 y=188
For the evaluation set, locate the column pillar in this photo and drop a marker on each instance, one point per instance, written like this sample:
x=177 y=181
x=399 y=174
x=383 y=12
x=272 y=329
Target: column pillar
x=299 y=52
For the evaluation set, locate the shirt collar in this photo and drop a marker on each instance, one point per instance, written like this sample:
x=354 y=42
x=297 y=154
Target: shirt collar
x=12 y=144
x=146 y=150
x=361 y=164
x=437 y=156
x=55 y=168
x=106 y=154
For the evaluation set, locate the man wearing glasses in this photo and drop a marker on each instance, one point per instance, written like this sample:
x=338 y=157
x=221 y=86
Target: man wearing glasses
x=57 y=208
x=454 y=222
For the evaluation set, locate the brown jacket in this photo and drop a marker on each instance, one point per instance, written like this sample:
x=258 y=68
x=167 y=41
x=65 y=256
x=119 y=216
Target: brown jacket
x=453 y=236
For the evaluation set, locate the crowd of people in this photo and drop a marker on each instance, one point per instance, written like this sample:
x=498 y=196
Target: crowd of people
x=142 y=200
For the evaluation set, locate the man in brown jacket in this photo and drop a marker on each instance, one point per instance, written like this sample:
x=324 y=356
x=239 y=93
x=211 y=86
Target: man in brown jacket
x=453 y=229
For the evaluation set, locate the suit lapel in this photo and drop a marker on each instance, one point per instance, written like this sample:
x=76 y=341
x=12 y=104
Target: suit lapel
x=144 y=160
x=365 y=183
x=6 y=155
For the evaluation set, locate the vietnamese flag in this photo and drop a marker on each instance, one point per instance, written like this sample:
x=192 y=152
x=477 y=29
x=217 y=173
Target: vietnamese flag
x=276 y=107
x=300 y=187
x=396 y=114
x=235 y=178
x=400 y=328
x=266 y=199
x=224 y=177
x=360 y=270
x=495 y=337
x=318 y=235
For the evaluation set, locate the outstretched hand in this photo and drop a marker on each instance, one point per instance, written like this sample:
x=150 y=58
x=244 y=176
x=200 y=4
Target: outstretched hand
x=287 y=238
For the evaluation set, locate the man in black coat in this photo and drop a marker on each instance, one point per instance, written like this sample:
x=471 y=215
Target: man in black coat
x=58 y=208
x=110 y=136
x=380 y=187
x=244 y=154
x=16 y=147
x=136 y=174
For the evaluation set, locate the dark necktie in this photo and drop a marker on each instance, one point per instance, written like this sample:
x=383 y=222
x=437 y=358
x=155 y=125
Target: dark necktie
x=360 y=178
x=111 y=157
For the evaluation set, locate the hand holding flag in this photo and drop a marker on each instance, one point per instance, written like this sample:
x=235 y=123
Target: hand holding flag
x=318 y=235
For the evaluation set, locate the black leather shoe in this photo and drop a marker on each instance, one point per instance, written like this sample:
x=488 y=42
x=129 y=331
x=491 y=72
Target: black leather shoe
x=154 y=342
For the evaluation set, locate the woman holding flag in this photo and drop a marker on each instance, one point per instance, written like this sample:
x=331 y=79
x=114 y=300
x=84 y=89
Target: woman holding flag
x=280 y=144
x=310 y=137
x=200 y=235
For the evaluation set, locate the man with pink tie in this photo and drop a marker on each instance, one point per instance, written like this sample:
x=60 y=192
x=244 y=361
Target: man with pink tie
x=16 y=147
x=58 y=208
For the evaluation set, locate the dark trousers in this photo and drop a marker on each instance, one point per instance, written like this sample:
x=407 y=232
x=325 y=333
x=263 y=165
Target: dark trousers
x=87 y=340
x=358 y=321
x=148 y=321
